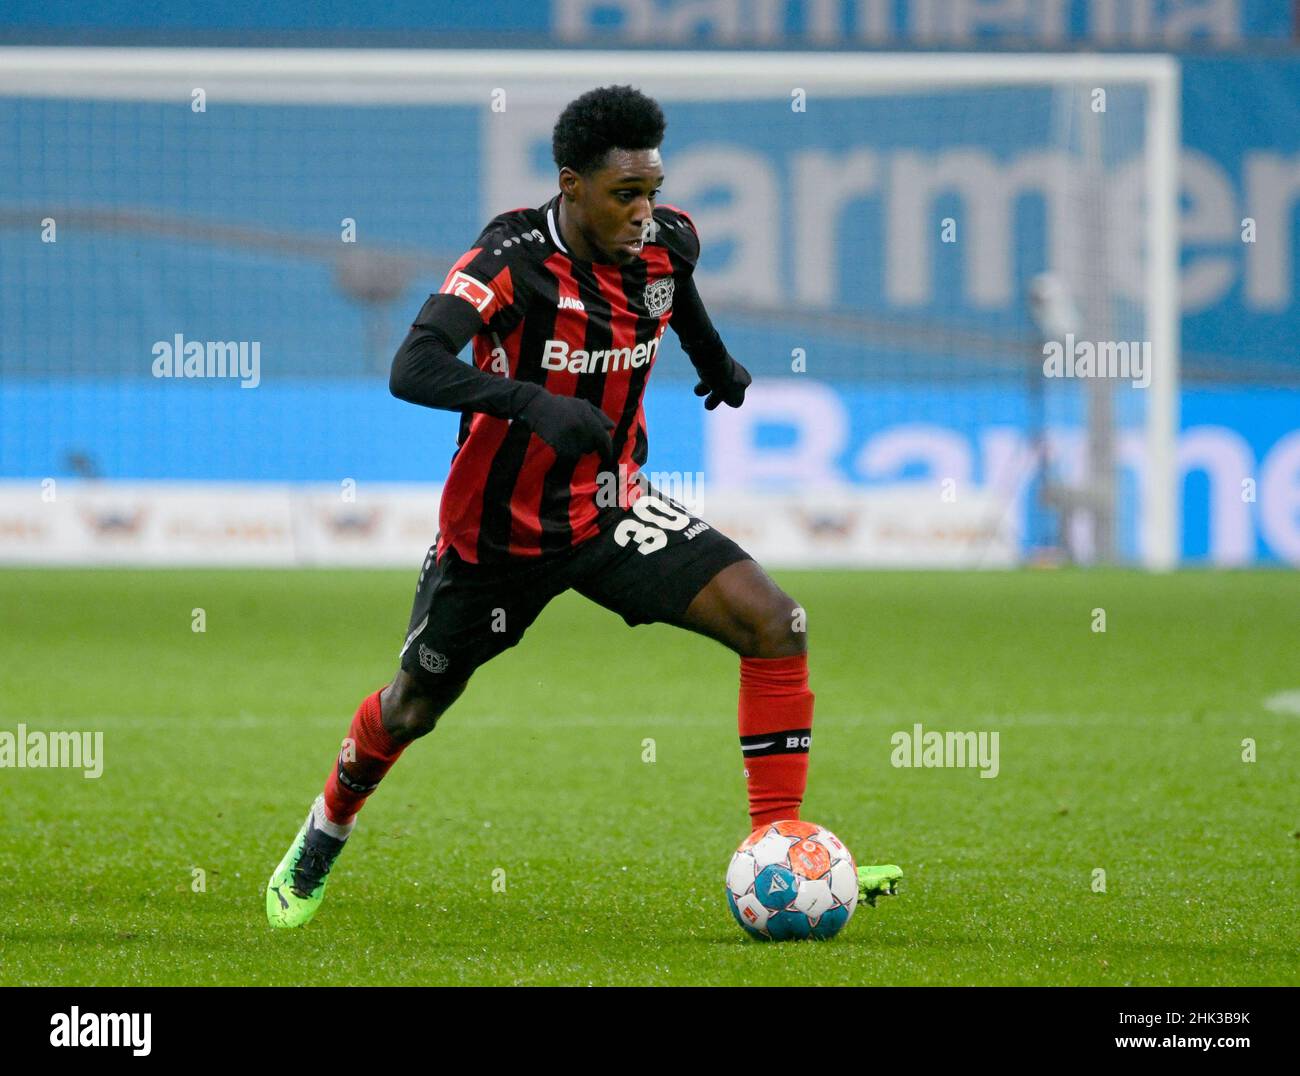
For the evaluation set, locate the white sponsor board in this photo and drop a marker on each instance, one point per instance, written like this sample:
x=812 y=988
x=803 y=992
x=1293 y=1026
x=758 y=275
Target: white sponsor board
x=273 y=525
x=171 y=523
x=836 y=527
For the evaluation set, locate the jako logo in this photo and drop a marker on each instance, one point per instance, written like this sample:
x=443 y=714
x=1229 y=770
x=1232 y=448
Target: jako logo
x=557 y=356
x=568 y=302
x=76 y=1028
x=213 y=358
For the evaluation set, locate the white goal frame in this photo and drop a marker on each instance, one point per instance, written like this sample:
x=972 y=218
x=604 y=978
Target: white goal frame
x=409 y=76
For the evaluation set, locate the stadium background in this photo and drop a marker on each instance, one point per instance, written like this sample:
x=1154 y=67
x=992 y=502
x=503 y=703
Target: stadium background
x=1141 y=829
x=229 y=229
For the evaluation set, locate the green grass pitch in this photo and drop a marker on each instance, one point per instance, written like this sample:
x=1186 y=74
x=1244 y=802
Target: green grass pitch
x=1120 y=752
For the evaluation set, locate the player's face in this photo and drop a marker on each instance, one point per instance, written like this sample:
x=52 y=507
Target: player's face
x=612 y=204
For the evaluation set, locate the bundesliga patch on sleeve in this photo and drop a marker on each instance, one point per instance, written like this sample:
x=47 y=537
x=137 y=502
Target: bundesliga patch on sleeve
x=474 y=291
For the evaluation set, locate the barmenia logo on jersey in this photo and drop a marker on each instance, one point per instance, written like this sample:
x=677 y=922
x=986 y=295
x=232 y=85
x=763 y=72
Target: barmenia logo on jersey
x=557 y=356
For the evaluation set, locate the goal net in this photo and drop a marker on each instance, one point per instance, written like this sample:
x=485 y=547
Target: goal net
x=953 y=277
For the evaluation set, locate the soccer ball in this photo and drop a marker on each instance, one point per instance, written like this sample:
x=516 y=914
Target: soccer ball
x=792 y=880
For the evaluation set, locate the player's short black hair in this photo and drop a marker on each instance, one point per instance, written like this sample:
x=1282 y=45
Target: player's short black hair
x=612 y=117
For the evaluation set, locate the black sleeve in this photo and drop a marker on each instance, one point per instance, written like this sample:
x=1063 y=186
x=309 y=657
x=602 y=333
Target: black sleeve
x=426 y=370
x=700 y=340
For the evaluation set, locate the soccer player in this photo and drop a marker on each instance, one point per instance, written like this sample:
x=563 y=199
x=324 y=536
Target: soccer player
x=566 y=305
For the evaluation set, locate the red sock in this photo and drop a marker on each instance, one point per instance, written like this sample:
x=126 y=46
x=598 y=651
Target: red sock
x=367 y=754
x=776 y=712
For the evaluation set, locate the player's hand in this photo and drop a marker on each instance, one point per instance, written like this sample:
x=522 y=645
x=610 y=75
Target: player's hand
x=726 y=385
x=569 y=425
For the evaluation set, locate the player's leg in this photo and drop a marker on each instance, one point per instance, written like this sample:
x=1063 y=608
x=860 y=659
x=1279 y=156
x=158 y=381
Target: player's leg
x=742 y=608
x=385 y=722
x=463 y=616
x=658 y=563
x=410 y=708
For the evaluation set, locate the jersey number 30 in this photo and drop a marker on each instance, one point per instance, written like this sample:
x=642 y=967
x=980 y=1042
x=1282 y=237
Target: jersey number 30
x=654 y=518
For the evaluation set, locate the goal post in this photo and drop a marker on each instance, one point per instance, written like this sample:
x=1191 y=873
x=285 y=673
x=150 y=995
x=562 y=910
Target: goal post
x=207 y=187
x=1162 y=545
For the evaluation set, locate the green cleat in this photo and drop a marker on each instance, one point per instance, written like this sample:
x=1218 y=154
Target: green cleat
x=297 y=887
x=881 y=881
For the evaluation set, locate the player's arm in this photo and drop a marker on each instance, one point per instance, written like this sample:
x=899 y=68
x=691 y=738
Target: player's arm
x=426 y=371
x=722 y=378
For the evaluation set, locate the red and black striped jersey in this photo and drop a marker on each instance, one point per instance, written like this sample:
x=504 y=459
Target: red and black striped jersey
x=576 y=328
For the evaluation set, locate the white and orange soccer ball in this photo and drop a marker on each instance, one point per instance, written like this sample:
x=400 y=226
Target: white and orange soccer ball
x=792 y=880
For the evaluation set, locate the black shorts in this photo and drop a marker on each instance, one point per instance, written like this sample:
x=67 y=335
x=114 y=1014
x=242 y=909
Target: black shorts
x=647 y=564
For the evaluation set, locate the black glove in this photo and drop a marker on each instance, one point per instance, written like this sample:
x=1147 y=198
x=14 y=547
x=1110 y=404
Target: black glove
x=569 y=425
x=726 y=384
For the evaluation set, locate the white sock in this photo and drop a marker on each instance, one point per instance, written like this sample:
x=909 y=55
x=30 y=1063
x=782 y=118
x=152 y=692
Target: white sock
x=332 y=829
